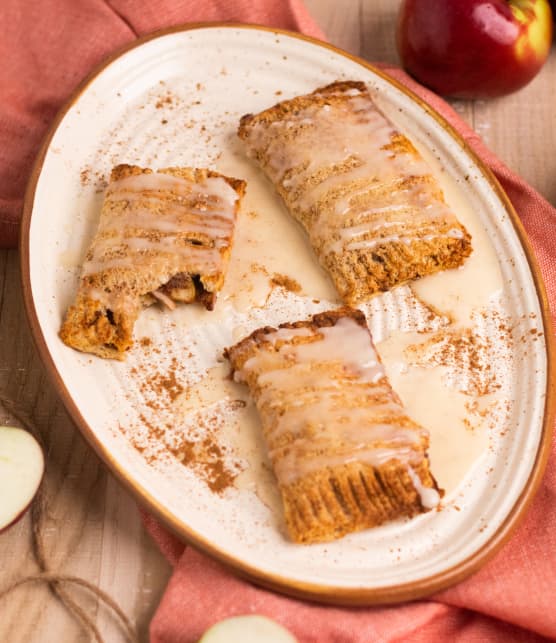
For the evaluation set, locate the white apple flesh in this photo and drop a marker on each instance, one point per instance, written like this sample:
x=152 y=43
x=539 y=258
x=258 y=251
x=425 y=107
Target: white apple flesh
x=247 y=629
x=21 y=471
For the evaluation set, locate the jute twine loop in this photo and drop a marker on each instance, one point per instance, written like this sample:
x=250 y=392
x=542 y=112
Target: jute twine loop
x=58 y=582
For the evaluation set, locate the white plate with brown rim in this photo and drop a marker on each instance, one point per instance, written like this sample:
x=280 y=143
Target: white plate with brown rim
x=466 y=349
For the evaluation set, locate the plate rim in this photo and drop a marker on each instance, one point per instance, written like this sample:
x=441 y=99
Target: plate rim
x=359 y=596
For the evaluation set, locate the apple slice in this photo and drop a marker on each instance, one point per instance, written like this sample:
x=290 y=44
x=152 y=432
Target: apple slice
x=21 y=471
x=247 y=629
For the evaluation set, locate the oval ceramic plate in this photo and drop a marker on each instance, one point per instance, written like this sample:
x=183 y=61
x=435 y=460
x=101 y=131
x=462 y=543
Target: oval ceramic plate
x=465 y=349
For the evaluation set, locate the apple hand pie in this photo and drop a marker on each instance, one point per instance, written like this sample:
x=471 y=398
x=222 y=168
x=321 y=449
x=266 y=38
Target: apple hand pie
x=375 y=215
x=163 y=236
x=345 y=454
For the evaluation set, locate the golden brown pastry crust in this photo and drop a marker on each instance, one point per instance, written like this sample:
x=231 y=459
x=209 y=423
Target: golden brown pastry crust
x=140 y=254
x=299 y=144
x=344 y=494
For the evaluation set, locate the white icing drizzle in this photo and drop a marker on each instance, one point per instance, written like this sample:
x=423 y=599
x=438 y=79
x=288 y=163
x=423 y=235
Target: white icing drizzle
x=429 y=496
x=158 y=217
x=355 y=207
x=139 y=250
x=327 y=401
x=212 y=186
x=169 y=303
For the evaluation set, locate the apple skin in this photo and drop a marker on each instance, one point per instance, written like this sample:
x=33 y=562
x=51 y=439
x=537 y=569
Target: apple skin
x=474 y=48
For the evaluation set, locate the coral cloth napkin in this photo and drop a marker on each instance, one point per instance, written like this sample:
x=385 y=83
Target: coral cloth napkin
x=47 y=47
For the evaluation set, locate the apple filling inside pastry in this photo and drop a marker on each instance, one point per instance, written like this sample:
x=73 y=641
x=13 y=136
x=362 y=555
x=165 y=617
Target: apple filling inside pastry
x=163 y=236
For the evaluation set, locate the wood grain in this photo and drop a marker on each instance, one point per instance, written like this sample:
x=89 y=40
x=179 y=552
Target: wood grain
x=93 y=528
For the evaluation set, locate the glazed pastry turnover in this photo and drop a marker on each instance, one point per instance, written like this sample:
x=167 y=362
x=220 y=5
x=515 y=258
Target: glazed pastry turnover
x=375 y=215
x=163 y=236
x=345 y=454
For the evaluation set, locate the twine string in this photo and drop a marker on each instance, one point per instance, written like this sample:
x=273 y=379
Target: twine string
x=54 y=580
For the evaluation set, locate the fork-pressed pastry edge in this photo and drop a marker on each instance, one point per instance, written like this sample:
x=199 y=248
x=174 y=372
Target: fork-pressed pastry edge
x=328 y=504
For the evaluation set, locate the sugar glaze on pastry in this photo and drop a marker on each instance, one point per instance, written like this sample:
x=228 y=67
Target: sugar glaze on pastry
x=375 y=215
x=345 y=454
x=163 y=236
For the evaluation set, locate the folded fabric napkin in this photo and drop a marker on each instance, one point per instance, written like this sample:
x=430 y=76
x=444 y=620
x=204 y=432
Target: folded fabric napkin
x=47 y=47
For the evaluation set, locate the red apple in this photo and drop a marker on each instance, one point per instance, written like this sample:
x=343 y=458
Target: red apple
x=21 y=471
x=474 y=48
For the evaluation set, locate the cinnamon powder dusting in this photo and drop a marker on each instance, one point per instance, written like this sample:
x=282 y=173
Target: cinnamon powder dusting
x=206 y=458
x=468 y=354
x=285 y=282
x=162 y=432
x=91 y=176
x=167 y=384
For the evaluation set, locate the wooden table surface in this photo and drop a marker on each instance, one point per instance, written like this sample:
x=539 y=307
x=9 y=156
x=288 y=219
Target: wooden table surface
x=92 y=527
